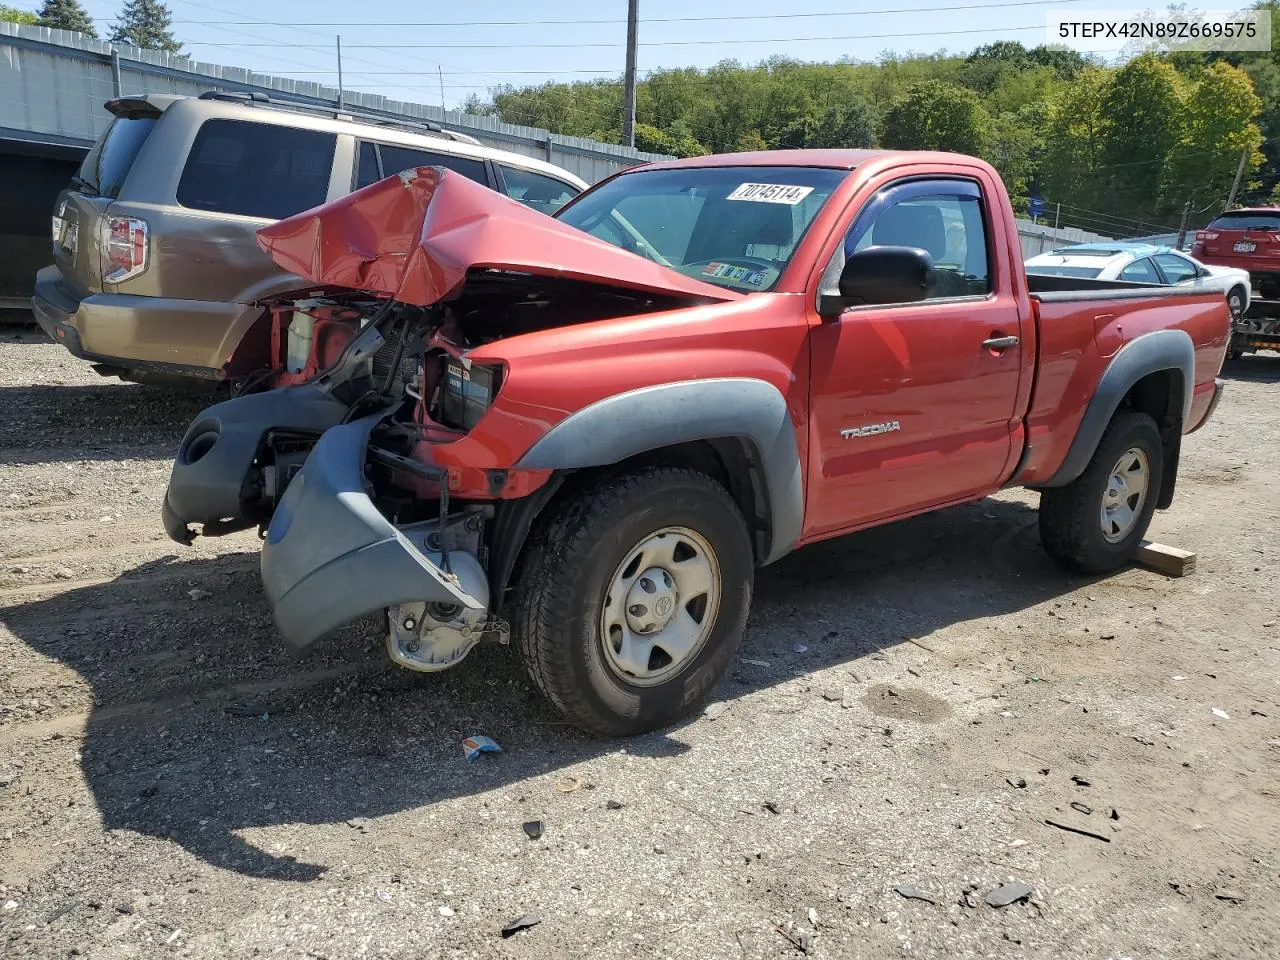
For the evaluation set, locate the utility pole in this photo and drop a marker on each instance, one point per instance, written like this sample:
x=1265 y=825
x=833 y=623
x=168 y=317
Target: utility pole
x=1235 y=186
x=629 y=94
x=1182 y=227
x=341 y=97
x=441 y=71
x=1057 y=215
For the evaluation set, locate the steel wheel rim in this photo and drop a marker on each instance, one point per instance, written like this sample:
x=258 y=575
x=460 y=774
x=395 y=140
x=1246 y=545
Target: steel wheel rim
x=1235 y=303
x=660 y=606
x=1125 y=495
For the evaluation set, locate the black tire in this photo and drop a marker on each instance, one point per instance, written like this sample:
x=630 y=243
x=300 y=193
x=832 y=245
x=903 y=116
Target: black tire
x=1070 y=517
x=566 y=571
x=1235 y=302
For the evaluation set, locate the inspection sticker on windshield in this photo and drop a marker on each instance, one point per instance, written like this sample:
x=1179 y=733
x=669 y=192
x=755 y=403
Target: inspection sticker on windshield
x=770 y=193
x=727 y=271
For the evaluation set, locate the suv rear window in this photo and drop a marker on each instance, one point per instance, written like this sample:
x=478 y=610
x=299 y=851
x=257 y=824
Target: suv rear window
x=1247 y=220
x=106 y=166
x=256 y=169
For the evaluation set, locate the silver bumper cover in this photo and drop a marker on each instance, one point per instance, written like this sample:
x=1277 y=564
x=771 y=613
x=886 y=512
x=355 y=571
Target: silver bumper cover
x=330 y=556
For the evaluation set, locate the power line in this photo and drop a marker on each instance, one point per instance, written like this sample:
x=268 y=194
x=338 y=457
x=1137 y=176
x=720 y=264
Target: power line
x=647 y=20
x=656 y=43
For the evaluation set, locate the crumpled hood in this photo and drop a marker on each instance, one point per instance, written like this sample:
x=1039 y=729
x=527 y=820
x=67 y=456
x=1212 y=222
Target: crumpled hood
x=414 y=236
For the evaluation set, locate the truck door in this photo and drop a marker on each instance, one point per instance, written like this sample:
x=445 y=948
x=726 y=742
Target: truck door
x=913 y=404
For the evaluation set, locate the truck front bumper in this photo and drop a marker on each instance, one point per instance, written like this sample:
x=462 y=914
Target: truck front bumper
x=217 y=454
x=330 y=556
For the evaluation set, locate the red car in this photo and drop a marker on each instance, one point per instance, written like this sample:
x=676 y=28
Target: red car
x=583 y=434
x=1248 y=239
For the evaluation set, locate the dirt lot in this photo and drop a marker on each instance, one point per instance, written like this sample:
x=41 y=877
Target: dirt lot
x=912 y=705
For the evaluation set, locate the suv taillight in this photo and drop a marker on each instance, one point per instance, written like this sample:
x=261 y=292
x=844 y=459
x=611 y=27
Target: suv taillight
x=124 y=248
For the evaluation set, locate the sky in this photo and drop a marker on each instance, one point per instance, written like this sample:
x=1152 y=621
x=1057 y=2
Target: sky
x=408 y=50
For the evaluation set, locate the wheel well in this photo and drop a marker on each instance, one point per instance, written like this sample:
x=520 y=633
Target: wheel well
x=734 y=463
x=1160 y=395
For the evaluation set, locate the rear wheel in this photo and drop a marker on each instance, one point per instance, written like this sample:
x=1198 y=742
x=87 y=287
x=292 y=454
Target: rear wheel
x=1095 y=523
x=1235 y=302
x=632 y=599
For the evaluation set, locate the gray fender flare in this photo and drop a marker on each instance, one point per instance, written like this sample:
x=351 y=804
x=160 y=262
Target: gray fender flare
x=650 y=418
x=1147 y=354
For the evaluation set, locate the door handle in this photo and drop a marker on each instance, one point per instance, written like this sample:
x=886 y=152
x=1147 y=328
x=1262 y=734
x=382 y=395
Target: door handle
x=1000 y=343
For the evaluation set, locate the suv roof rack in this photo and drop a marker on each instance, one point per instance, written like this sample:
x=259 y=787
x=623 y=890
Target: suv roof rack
x=343 y=113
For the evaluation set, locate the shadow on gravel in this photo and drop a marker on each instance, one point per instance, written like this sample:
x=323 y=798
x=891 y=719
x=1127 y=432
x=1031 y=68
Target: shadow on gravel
x=1254 y=368
x=204 y=730
x=111 y=420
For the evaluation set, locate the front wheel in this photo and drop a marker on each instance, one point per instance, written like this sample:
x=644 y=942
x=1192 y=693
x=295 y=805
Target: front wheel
x=632 y=599
x=1095 y=523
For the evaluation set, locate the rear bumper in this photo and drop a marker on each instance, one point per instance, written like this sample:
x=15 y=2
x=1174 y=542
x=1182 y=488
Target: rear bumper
x=330 y=556
x=179 y=337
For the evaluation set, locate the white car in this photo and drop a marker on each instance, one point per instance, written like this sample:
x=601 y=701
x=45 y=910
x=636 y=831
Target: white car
x=1144 y=263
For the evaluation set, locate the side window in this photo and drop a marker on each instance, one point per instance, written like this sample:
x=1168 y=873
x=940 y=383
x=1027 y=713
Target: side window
x=395 y=159
x=542 y=193
x=1140 y=271
x=1176 y=269
x=943 y=219
x=256 y=169
x=367 y=170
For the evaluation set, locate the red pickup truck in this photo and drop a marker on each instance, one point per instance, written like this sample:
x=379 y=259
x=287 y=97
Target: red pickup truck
x=583 y=434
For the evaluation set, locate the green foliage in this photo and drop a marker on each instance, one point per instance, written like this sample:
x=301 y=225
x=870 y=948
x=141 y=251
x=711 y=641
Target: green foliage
x=1127 y=146
x=67 y=15
x=14 y=15
x=1218 y=126
x=933 y=115
x=1142 y=118
x=145 y=23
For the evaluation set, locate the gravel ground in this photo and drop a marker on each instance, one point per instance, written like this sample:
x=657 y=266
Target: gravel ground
x=911 y=706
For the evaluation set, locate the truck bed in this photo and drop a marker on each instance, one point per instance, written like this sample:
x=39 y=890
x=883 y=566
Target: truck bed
x=1080 y=325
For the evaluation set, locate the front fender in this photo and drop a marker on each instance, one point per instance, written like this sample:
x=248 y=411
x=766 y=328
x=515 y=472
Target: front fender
x=638 y=421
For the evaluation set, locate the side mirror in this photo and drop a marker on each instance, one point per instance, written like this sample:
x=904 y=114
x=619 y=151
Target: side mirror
x=882 y=275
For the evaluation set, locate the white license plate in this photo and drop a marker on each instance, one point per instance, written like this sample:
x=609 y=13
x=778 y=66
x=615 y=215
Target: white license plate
x=1245 y=247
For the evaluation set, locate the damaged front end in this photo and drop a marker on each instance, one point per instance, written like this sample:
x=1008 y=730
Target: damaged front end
x=335 y=473
x=337 y=465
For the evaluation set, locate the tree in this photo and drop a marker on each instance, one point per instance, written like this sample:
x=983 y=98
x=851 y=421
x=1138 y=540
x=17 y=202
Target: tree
x=938 y=116
x=1219 y=124
x=1073 y=140
x=1141 y=114
x=145 y=23
x=67 y=15
x=14 y=15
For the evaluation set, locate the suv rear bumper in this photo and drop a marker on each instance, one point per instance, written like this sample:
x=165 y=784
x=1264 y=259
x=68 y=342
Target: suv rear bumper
x=178 y=337
x=330 y=556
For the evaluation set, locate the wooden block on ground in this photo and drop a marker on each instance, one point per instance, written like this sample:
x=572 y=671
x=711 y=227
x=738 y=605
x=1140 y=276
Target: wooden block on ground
x=1170 y=561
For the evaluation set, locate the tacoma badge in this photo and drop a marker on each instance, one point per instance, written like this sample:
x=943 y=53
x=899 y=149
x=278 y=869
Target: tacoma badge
x=870 y=429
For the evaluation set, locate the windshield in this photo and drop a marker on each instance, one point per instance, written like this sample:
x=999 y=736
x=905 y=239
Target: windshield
x=1058 y=271
x=736 y=227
